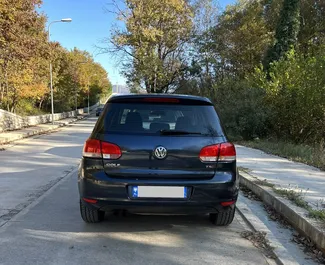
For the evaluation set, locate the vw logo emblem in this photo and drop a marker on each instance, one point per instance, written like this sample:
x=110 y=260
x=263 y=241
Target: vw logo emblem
x=160 y=152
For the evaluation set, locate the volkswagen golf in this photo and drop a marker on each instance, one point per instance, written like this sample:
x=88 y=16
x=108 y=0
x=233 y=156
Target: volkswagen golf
x=158 y=154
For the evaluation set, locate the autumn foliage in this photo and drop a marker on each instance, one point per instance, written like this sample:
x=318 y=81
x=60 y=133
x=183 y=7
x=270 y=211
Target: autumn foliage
x=25 y=54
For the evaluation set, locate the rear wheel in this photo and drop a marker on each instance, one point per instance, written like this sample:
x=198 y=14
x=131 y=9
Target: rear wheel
x=223 y=217
x=90 y=215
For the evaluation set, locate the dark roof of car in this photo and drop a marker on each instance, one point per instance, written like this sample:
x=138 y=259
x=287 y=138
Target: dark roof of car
x=118 y=97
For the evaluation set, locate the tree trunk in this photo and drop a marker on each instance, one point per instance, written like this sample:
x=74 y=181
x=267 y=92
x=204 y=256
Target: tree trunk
x=7 y=89
x=155 y=80
x=2 y=92
x=148 y=88
x=40 y=103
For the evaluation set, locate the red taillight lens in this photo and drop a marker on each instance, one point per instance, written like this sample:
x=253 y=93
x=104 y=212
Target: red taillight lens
x=227 y=152
x=210 y=153
x=97 y=149
x=225 y=204
x=220 y=152
x=111 y=151
x=90 y=200
x=92 y=149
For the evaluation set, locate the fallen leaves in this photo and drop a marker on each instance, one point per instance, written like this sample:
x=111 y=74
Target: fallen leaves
x=308 y=247
x=260 y=241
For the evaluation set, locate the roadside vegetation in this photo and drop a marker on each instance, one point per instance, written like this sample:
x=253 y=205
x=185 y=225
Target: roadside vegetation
x=297 y=197
x=305 y=242
x=311 y=154
x=25 y=55
x=292 y=193
x=261 y=62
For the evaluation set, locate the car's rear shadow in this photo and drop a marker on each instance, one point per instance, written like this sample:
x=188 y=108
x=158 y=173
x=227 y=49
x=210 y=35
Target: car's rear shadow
x=130 y=222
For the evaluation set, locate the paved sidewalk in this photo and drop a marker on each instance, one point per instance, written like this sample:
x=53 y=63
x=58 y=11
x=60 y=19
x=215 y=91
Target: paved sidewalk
x=10 y=136
x=284 y=173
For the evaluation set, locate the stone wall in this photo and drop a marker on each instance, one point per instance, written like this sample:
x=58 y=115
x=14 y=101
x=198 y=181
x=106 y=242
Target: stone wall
x=10 y=121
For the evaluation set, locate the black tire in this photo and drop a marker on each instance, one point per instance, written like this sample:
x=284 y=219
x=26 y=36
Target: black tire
x=90 y=215
x=223 y=217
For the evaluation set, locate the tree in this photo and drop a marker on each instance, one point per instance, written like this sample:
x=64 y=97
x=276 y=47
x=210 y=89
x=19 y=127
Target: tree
x=287 y=31
x=77 y=75
x=226 y=47
x=203 y=58
x=155 y=36
x=242 y=37
x=312 y=24
x=22 y=41
x=24 y=64
x=296 y=94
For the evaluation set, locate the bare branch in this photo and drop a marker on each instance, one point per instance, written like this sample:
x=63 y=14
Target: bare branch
x=119 y=10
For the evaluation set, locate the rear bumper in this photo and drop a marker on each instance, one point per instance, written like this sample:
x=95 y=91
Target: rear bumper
x=204 y=196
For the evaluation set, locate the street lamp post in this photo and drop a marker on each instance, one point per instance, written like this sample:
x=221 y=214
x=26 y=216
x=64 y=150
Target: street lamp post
x=51 y=76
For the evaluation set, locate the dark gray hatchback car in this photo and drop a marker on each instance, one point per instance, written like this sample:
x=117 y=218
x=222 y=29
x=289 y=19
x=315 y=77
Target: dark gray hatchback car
x=158 y=154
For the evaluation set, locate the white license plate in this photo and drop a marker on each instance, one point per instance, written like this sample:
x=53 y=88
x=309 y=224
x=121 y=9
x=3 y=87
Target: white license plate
x=159 y=192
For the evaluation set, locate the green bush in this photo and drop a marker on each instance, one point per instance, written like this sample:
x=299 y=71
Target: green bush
x=241 y=109
x=295 y=92
x=26 y=107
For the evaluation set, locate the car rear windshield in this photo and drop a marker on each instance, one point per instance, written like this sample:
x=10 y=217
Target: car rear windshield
x=157 y=118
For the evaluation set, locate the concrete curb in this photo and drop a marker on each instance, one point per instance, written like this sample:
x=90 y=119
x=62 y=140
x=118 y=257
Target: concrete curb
x=38 y=131
x=295 y=215
x=278 y=250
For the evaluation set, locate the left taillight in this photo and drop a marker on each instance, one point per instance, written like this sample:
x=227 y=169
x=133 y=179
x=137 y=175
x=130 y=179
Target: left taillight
x=110 y=151
x=92 y=148
x=97 y=149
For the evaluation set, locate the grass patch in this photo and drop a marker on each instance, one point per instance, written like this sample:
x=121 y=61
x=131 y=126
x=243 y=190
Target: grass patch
x=317 y=214
x=311 y=155
x=264 y=183
x=297 y=199
x=245 y=169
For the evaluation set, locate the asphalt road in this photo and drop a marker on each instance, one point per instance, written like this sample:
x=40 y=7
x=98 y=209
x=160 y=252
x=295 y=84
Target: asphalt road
x=41 y=222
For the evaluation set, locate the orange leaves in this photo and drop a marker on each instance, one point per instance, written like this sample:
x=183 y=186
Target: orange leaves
x=35 y=91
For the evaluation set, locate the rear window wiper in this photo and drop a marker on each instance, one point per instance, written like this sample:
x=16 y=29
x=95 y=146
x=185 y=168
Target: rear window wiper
x=178 y=132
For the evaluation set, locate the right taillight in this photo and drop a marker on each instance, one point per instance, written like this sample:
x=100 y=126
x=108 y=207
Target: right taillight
x=225 y=152
x=96 y=149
